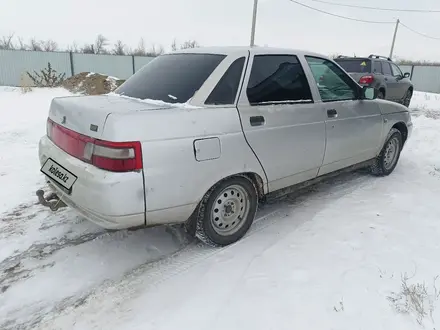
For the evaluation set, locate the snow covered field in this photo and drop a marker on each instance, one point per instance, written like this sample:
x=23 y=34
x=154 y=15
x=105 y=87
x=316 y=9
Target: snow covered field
x=332 y=257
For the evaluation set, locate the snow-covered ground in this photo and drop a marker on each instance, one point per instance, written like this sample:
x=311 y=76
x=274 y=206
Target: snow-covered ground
x=332 y=257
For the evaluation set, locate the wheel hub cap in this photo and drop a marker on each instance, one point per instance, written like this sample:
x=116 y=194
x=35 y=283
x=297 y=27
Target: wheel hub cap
x=391 y=153
x=230 y=209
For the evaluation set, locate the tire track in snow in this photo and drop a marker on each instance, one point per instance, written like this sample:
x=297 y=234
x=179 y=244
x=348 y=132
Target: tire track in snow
x=140 y=279
x=147 y=275
x=135 y=281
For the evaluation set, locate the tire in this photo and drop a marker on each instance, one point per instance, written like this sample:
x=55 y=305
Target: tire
x=407 y=99
x=387 y=160
x=381 y=95
x=227 y=211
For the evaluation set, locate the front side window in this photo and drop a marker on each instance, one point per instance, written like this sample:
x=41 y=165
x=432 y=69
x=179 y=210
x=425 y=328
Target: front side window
x=333 y=83
x=226 y=89
x=396 y=71
x=172 y=78
x=277 y=79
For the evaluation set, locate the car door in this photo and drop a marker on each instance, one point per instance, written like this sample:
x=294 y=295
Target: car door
x=401 y=82
x=392 y=92
x=353 y=126
x=281 y=122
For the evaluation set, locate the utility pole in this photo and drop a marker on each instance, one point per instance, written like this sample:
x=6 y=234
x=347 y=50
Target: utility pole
x=394 y=38
x=254 y=22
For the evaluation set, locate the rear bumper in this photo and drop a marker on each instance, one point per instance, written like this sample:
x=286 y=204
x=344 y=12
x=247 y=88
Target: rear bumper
x=111 y=200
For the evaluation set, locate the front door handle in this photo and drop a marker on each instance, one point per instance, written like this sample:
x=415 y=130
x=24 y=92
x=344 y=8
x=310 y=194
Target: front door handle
x=257 y=120
x=332 y=113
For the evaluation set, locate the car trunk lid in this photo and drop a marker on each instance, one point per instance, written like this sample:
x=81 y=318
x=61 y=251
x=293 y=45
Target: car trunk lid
x=87 y=114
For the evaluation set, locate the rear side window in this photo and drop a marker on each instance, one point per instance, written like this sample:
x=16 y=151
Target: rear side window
x=226 y=89
x=355 y=65
x=377 y=68
x=396 y=71
x=172 y=78
x=386 y=69
x=277 y=79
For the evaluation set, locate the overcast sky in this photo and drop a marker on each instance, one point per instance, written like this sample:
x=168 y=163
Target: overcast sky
x=227 y=22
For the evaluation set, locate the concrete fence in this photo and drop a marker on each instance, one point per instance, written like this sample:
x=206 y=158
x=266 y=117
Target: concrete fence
x=15 y=63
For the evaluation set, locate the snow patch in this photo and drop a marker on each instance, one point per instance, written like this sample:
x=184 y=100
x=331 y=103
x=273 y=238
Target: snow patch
x=334 y=256
x=158 y=102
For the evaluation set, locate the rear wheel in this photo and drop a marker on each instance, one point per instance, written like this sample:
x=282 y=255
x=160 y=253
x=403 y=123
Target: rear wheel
x=407 y=98
x=387 y=160
x=227 y=211
x=381 y=95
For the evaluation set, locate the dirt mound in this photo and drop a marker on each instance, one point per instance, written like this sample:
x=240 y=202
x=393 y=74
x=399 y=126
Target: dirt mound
x=90 y=83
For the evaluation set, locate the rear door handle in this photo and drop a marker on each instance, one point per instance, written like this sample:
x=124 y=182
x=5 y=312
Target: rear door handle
x=257 y=120
x=332 y=113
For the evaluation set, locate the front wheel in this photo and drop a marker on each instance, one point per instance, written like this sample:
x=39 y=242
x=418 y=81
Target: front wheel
x=227 y=211
x=407 y=98
x=387 y=160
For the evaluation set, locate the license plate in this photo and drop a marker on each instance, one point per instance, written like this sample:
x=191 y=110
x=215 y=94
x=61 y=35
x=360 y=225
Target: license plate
x=58 y=173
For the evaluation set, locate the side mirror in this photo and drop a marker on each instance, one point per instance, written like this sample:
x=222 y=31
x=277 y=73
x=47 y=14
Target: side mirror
x=407 y=75
x=369 y=93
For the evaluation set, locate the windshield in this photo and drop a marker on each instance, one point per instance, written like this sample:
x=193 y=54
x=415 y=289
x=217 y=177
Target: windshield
x=172 y=78
x=355 y=65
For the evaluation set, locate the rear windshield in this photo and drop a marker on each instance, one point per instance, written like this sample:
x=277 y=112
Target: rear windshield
x=355 y=65
x=172 y=78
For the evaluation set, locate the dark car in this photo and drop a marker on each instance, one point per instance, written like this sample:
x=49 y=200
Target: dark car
x=381 y=73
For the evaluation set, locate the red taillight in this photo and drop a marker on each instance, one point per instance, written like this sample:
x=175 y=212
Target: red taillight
x=366 y=80
x=110 y=156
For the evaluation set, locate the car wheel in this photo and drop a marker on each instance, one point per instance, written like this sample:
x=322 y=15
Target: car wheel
x=387 y=160
x=381 y=95
x=227 y=211
x=407 y=98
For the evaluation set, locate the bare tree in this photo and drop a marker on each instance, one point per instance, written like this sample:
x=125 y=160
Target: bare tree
x=73 y=48
x=189 y=44
x=100 y=43
x=88 y=49
x=49 y=45
x=21 y=44
x=119 y=48
x=35 y=45
x=140 y=49
x=98 y=47
x=155 y=50
x=6 y=42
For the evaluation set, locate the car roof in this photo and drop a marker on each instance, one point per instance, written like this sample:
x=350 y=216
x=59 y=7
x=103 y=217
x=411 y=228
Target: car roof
x=348 y=58
x=228 y=50
x=354 y=58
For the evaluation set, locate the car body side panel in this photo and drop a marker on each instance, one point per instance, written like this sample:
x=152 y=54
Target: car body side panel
x=354 y=136
x=394 y=113
x=175 y=181
x=290 y=144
